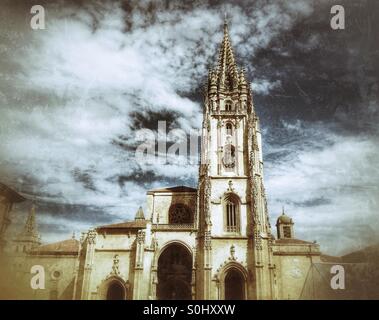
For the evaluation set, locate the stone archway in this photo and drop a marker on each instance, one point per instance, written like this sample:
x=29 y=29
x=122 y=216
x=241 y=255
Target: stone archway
x=115 y=291
x=174 y=273
x=113 y=288
x=232 y=281
x=234 y=284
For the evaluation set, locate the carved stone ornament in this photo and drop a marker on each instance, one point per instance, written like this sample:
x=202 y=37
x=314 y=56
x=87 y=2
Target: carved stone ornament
x=258 y=239
x=115 y=268
x=154 y=242
x=91 y=236
x=232 y=252
x=141 y=236
x=230 y=186
x=207 y=240
x=229 y=157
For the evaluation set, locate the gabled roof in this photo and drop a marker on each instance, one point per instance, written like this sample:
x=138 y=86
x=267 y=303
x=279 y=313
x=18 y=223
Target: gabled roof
x=328 y=258
x=137 y=224
x=70 y=246
x=174 y=189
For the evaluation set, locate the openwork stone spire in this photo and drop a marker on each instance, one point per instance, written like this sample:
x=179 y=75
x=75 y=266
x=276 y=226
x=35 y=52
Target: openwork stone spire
x=227 y=72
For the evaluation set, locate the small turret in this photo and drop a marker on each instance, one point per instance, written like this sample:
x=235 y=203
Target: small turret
x=284 y=226
x=139 y=215
x=29 y=238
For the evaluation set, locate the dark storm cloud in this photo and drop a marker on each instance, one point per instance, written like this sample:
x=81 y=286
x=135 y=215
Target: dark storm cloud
x=64 y=218
x=313 y=202
x=72 y=97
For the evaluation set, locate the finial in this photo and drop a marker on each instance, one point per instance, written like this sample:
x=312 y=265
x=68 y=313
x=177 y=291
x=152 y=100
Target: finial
x=283 y=210
x=73 y=234
x=225 y=23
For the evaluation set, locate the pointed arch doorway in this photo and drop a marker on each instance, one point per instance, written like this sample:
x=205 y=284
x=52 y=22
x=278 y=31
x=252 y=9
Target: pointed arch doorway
x=174 y=273
x=116 y=291
x=234 y=285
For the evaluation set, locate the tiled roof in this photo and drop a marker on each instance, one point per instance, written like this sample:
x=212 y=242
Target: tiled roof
x=368 y=254
x=70 y=246
x=292 y=241
x=137 y=224
x=174 y=189
x=327 y=258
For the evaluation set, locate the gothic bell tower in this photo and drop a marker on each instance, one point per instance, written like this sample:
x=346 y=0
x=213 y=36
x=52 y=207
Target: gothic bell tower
x=234 y=258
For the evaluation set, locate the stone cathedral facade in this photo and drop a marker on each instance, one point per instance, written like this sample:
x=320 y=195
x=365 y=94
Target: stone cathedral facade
x=213 y=242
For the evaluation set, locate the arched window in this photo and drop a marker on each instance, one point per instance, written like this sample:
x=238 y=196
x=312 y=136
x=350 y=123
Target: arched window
x=229 y=129
x=287 y=232
x=231 y=213
x=228 y=105
x=180 y=213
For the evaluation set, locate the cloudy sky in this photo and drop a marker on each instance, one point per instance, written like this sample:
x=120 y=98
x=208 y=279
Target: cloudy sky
x=73 y=97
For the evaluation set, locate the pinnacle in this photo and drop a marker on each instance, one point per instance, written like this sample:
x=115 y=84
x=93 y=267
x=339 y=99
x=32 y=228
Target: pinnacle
x=226 y=71
x=139 y=215
x=30 y=225
x=30 y=228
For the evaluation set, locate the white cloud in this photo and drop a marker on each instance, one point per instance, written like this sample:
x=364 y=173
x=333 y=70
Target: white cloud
x=330 y=184
x=263 y=86
x=74 y=86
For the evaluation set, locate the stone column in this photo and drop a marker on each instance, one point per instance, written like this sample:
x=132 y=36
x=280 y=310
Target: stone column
x=154 y=271
x=193 y=275
x=219 y=147
x=138 y=268
x=237 y=150
x=207 y=265
x=88 y=264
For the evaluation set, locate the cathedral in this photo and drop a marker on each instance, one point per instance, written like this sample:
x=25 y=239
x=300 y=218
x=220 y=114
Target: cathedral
x=214 y=242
